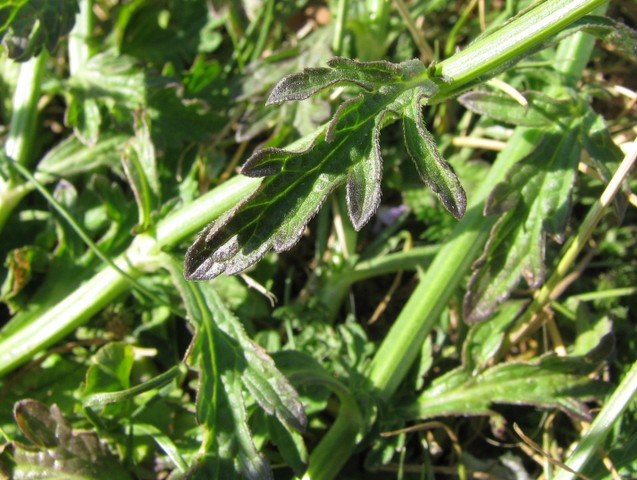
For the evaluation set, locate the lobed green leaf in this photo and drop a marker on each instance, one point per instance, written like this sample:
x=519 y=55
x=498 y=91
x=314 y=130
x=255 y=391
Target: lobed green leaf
x=370 y=76
x=277 y=213
x=347 y=150
x=433 y=169
x=534 y=200
x=550 y=382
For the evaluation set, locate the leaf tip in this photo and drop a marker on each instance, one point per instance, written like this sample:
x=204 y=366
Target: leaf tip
x=199 y=261
x=197 y=268
x=456 y=205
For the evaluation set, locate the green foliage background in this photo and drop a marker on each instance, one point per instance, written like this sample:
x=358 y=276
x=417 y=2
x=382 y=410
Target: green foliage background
x=448 y=326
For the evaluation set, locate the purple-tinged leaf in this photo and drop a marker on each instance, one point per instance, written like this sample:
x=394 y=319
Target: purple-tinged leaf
x=432 y=167
x=535 y=200
x=275 y=216
x=347 y=150
x=363 y=181
x=369 y=76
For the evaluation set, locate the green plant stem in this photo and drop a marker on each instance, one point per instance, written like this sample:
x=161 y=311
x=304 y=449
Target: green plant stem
x=594 y=438
x=54 y=323
x=394 y=262
x=490 y=53
x=339 y=30
x=346 y=235
x=101 y=399
x=79 y=46
x=332 y=294
x=39 y=329
x=605 y=294
x=25 y=109
x=404 y=340
x=325 y=460
x=19 y=142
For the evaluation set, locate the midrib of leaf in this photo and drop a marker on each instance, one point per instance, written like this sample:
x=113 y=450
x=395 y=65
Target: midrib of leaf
x=335 y=147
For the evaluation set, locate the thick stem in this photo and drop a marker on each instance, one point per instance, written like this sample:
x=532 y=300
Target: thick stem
x=50 y=326
x=404 y=340
x=490 y=53
x=21 y=134
x=32 y=332
x=79 y=46
x=25 y=110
